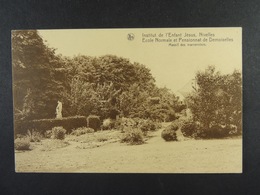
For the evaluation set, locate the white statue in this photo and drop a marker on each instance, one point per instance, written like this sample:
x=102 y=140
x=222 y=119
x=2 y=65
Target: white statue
x=58 y=110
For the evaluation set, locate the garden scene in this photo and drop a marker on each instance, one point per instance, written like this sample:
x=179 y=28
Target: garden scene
x=106 y=114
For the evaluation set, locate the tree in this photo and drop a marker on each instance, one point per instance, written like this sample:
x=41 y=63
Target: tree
x=34 y=76
x=217 y=100
x=112 y=80
x=134 y=102
x=79 y=98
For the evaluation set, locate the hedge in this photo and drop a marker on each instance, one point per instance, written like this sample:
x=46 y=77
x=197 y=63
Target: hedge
x=42 y=125
x=93 y=122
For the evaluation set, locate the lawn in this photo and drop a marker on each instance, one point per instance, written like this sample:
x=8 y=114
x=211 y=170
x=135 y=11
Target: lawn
x=102 y=152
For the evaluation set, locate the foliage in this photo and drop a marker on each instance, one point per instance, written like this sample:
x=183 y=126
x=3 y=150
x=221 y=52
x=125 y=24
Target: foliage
x=96 y=83
x=48 y=134
x=106 y=86
x=81 y=131
x=188 y=128
x=217 y=99
x=109 y=85
x=22 y=144
x=142 y=124
x=79 y=99
x=147 y=125
x=108 y=124
x=173 y=127
x=133 y=136
x=133 y=102
x=93 y=122
x=35 y=84
x=169 y=133
x=43 y=125
x=217 y=131
x=157 y=104
x=58 y=133
x=34 y=136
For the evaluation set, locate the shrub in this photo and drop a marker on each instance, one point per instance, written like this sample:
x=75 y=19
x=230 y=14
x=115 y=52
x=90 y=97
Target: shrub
x=172 y=127
x=118 y=124
x=218 y=96
x=169 y=135
x=216 y=131
x=125 y=123
x=33 y=136
x=22 y=144
x=43 y=125
x=81 y=131
x=158 y=125
x=129 y=122
x=48 y=134
x=188 y=129
x=147 y=125
x=154 y=100
x=234 y=130
x=171 y=116
x=108 y=124
x=58 y=133
x=133 y=136
x=93 y=122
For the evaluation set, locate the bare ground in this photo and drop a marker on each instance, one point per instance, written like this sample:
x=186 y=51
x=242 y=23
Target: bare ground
x=111 y=156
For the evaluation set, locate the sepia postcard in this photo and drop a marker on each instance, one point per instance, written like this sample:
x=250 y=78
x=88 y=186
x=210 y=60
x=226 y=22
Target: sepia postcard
x=137 y=100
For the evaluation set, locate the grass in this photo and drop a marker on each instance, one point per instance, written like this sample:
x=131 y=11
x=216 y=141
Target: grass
x=99 y=136
x=52 y=144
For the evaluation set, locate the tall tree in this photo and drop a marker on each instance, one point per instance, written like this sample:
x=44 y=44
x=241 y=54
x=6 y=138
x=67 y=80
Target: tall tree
x=218 y=98
x=34 y=85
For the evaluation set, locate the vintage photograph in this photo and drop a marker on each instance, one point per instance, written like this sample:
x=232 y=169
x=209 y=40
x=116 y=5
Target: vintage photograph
x=137 y=100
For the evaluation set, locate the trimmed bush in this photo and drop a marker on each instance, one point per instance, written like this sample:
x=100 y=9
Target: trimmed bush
x=188 y=129
x=22 y=144
x=81 y=131
x=215 y=131
x=43 y=125
x=169 y=135
x=172 y=127
x=58 y=133
x=133 y=136
x=93 y=122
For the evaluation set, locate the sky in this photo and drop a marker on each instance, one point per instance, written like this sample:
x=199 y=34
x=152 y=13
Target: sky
x=173 y=66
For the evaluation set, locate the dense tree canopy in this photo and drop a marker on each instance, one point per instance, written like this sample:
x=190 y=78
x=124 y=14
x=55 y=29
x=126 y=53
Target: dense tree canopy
x=106 y=86
x=35 y=86
x=109 y=84
x=217 y=99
